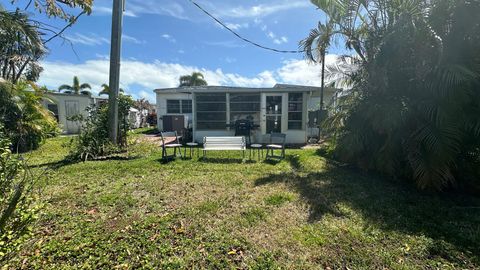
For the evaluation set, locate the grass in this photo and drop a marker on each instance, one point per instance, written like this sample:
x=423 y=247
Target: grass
x=222 y=213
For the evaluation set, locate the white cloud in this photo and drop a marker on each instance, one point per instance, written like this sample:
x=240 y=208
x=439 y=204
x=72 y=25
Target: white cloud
x=102 y=10
x=226 y=44
x=303 y=73
x=92 y=39
x=168 y=8
x=280 y=40
x=237 y=26
x=169 y=38
x=262 y=10
x=87 y=39
x=172 y=8
x=230 y=60
x=128 y=38
x=273 y=37
x=140 y=78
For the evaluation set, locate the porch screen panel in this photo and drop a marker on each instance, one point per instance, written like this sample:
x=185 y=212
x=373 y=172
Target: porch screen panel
x=211 y=111
x=245 y=107
x=295 y=111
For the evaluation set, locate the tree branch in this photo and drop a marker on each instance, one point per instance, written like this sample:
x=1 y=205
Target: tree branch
x=65 y=28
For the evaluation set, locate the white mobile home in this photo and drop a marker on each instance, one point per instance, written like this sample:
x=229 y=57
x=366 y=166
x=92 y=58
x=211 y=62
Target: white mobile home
x=211 y=110
x=64 y=106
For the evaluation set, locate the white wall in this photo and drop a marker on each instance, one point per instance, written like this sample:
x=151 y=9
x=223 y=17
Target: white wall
x=69 y=127
x=162 y=107
x=258 y=136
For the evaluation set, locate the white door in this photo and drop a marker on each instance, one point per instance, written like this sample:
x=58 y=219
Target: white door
x=273 y=113
x=72 y=109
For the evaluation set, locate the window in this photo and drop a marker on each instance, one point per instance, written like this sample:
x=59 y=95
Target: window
x=186 y=106
x=245 y=106
x=211 y=111
x=173 y=106
x=295 y=111
x=179 y=106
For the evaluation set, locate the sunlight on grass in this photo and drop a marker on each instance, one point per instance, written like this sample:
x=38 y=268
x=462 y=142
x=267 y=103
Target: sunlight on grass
x=299 y=213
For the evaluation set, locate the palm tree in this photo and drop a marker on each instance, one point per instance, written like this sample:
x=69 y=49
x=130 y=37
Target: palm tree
x=412 y=110
x=106 y=90
x=196 y=79
x=21 y=46
x=76 y=88
x=315 y=47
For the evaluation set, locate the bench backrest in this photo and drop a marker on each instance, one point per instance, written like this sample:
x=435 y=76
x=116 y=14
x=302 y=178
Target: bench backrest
x=169 y=137
x=224 y=143
x=278 y=138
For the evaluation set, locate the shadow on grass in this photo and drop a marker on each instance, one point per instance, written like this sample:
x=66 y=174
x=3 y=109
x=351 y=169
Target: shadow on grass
x=150 y=131
x=65 y=162
x=226 y=160
x=55 y=164
x=392 y=206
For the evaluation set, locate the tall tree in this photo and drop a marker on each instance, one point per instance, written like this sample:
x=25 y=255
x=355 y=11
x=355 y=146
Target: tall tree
x=196 y=79
x=21 y=46
x=22 y=40
x=414 y=101
x=76 y=88
x=106 y=90
x=315 y=49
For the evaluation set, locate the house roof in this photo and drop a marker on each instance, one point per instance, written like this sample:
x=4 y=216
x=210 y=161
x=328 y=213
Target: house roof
x=207 y=89
x=75 y=95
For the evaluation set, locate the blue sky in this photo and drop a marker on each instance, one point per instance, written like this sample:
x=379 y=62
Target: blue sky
x=164 y=39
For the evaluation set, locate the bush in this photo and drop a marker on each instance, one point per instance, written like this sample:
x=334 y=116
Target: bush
x=413 y=109
x=26 y=122
x=152 y=119
x=17 y=203
x=93 y=140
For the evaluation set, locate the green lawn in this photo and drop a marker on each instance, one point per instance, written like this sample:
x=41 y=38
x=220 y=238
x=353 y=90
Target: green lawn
x=300 y=213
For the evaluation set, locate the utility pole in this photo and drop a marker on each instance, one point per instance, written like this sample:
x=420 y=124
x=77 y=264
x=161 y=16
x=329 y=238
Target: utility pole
x=114 y=81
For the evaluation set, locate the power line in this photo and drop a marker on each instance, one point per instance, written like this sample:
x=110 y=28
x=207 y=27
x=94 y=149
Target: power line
x=241 y=37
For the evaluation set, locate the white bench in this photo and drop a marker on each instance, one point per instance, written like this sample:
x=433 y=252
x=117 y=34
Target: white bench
x=224 y=143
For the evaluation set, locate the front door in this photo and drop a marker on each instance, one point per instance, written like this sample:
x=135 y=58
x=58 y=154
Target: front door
x=72 y=109
x=273 y=108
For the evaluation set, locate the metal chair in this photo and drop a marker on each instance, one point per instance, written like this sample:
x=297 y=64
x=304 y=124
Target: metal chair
x=277 y=142
x=167 y=142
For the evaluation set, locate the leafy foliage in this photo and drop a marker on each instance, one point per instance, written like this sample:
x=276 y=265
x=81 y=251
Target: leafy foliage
x=76 y=88
x=412 y=110
x=60 y=8
x=17 y=208
x=106 y=90
x=93 y=140
x=196 y=79
x=21 y=46
x=27 y=123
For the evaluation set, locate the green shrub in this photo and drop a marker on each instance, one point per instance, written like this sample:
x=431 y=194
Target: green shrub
x=17 y=203
x=26 y=122
x=413 y=108
x=93 y=140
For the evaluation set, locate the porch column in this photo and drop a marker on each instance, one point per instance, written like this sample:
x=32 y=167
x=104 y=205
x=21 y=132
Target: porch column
x=227 y=104
x=263 y=116
x=194 y=116
x=284 y=112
